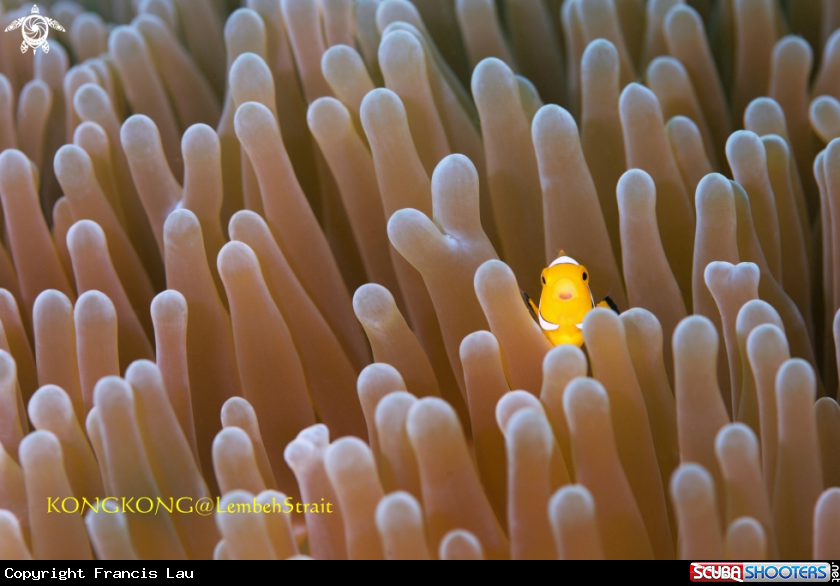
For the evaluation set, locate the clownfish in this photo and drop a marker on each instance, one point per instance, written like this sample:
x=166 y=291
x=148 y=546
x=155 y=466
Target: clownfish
x=565 y=300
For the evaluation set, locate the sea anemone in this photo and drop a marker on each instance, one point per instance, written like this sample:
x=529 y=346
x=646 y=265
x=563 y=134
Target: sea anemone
x=273 y=258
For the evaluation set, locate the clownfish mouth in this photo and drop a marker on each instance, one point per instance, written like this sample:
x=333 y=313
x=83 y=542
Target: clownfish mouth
x=566 y=290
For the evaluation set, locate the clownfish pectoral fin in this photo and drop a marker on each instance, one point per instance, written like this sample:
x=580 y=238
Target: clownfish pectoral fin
x=529 y=303
x=608 y=303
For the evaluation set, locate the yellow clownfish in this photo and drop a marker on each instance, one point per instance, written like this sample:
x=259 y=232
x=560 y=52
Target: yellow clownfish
x=565 y=300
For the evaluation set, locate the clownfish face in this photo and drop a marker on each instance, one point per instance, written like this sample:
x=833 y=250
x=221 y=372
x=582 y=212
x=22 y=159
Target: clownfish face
x=565 y=301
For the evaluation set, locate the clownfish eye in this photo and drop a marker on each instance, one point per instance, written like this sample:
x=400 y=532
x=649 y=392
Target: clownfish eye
x=584 y=276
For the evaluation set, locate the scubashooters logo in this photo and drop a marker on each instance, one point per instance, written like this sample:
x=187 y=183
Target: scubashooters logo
x=36 y=28
x=761 y=572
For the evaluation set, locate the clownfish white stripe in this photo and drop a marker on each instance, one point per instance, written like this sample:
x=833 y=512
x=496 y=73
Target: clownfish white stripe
x=564 y=260
x=546 y=325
